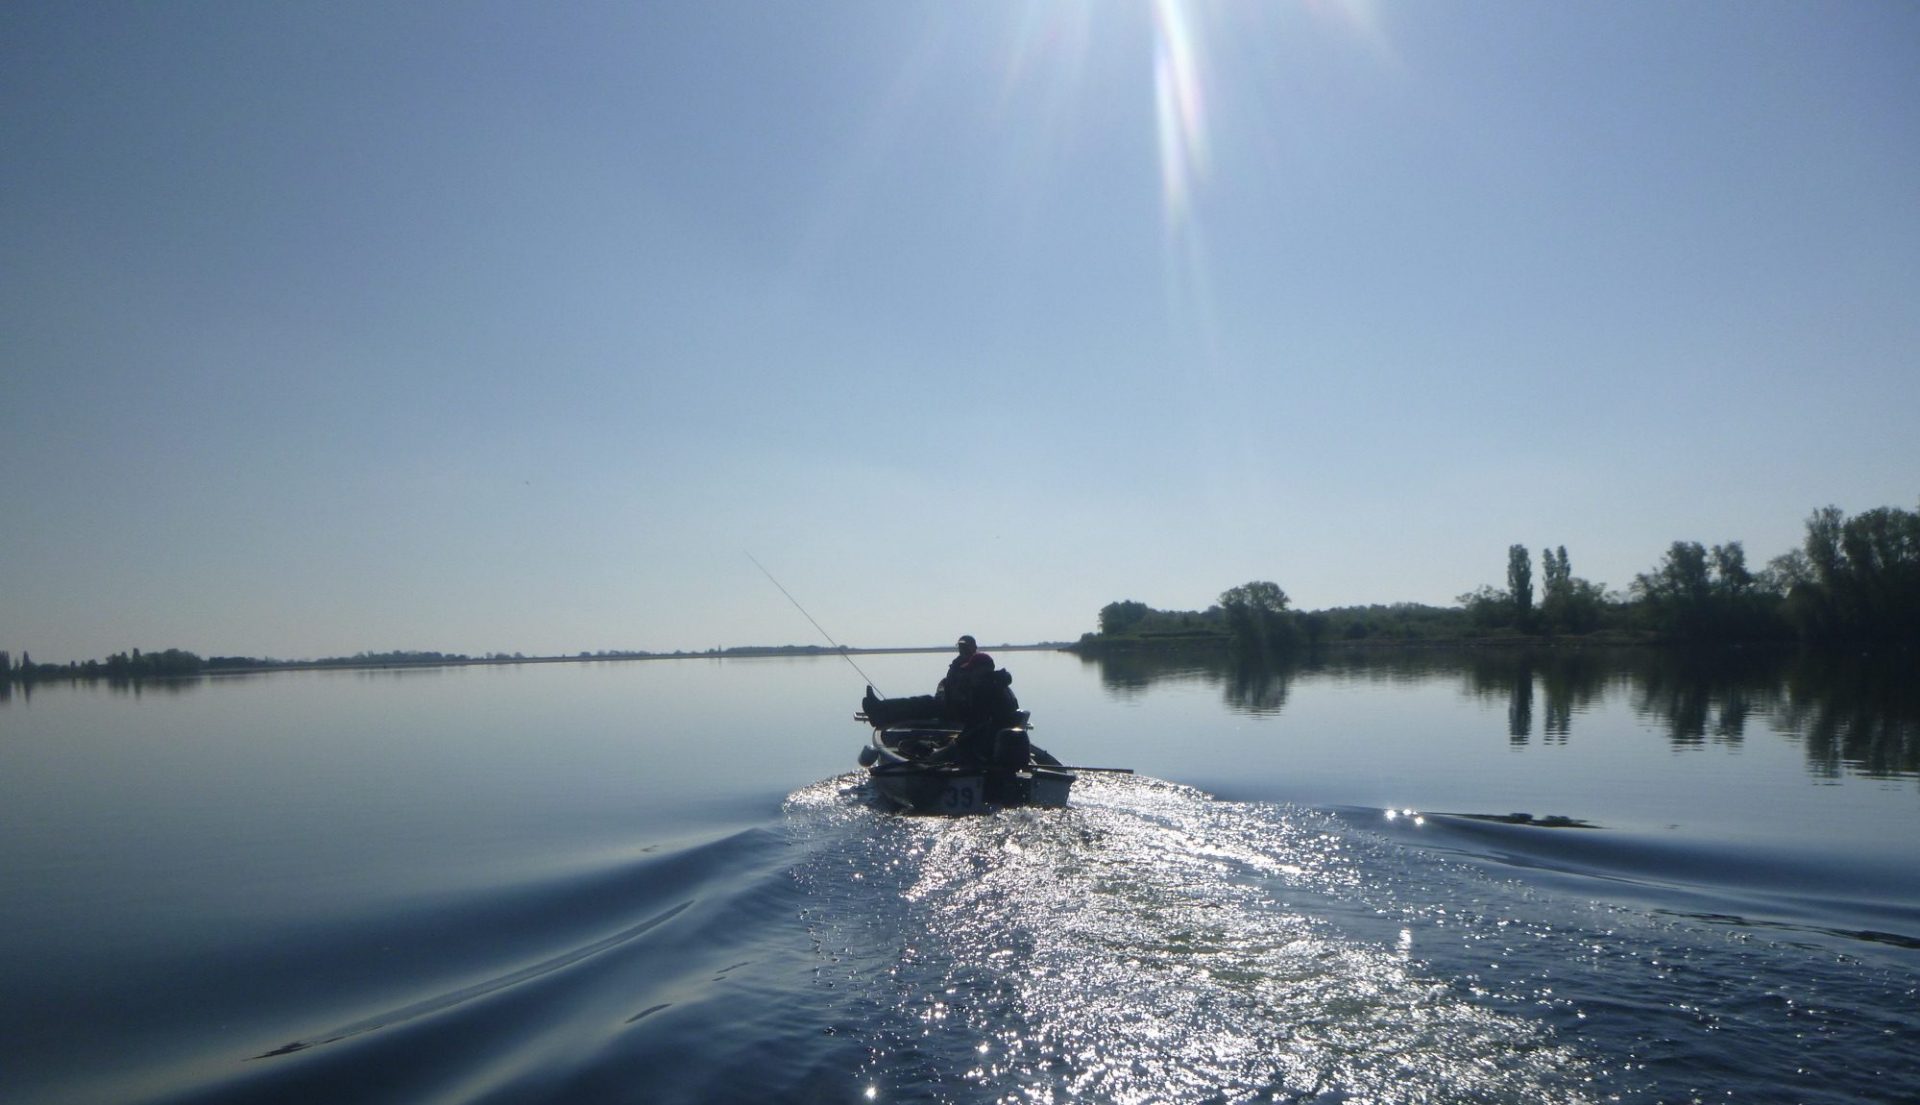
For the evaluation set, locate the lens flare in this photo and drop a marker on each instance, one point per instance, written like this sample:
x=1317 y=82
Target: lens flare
x=1180 y=110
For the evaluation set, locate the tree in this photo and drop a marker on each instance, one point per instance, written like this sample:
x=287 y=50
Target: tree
x=1258 y=595
x=1520 y=584
x=1698 y=594
x=1567 y=604
x=1730 y=568
x=1557 y=573
x=1677 y=590
x=1118 y=617
x=1487 y=607
x=1855 y=578
x=1256 y=614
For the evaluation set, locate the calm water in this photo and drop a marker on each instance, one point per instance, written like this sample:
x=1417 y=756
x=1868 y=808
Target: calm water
x=661 y=882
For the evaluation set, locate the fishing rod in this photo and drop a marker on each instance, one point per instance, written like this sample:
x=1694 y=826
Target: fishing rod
x=803 y=612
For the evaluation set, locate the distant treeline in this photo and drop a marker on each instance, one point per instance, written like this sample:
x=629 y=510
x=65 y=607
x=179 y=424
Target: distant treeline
x=174 y=663
x=1854 y=581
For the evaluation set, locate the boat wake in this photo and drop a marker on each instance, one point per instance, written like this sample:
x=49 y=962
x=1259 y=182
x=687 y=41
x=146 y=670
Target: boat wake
x=1146 y=944
x=590 y=984
x=1808 y=894
x=1150 y=943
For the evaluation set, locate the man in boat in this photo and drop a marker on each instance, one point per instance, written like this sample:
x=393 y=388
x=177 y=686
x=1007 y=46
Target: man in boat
x=963 y=692
x=980 y=698
x=974 y=695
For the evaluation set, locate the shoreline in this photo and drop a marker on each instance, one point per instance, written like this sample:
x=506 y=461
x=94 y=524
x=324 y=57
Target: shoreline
x=744 y=652
x=1089 y=648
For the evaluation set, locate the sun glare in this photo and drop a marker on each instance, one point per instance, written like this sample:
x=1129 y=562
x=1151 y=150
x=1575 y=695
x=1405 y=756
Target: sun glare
x=1182 y=75
x=1180 y=109
x=1051 y=52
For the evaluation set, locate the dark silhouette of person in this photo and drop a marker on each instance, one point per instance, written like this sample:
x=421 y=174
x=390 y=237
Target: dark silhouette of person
x=965 y=693
x=974 y=695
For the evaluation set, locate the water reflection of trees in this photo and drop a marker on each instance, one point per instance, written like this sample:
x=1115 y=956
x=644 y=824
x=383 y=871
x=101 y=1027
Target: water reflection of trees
x=1252 y=685
x=1851 y=714
x=1562 y=683
x=1127 y=674
x=172 y=687
x=1860 y=714
x=1707 y=696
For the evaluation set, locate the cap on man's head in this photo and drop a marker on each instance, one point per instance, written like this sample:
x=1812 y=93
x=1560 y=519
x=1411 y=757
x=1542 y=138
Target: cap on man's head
x=966 y=640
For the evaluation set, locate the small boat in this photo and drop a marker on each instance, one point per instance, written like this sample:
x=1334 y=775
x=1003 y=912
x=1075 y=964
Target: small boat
x=920 y=767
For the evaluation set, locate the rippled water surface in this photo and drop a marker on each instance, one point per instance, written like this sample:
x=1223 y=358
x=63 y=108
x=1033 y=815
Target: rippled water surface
x=1401 y=878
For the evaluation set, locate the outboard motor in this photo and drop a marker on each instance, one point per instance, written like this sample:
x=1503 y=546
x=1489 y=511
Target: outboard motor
x=1011 y=749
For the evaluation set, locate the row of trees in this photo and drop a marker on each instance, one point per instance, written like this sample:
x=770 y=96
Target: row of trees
x=1255 y=618
x=1854 y=581
x=1697 y=593
x=121 y=665
x=176 y=662
x=1568 y=604
x=1855 y=578
x=1253 y=615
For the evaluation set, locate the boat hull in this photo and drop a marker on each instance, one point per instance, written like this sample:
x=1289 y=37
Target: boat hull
x=903 y=766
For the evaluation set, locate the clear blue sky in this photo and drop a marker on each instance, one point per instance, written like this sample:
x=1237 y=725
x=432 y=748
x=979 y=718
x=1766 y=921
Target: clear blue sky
x=486 y=327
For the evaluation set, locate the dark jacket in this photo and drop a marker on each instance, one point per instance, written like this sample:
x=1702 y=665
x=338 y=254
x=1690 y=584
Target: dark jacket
x=974 y=691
